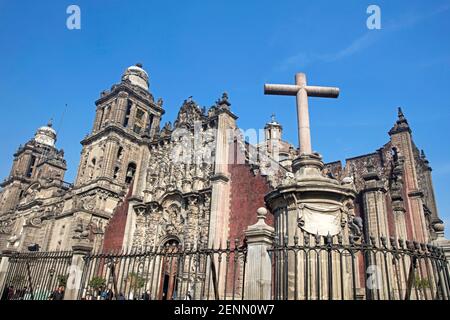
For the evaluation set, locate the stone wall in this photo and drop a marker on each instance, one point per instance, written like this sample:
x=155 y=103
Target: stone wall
x=248 y=188
x=115 y=230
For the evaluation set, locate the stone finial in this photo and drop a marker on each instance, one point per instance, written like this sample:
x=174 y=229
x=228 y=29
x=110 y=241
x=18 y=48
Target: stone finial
x=223 y=102
x=422 y=154
x=260 y=228
x=262 y=214
x=424 y=159
x=401 y=116
x=401 y=124
x=225 y=96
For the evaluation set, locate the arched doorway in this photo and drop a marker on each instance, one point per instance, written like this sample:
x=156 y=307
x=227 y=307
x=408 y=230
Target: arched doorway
x=169 y=274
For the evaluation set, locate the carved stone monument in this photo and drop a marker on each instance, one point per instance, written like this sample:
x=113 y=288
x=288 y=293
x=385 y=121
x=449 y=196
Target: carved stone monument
x=311 y=203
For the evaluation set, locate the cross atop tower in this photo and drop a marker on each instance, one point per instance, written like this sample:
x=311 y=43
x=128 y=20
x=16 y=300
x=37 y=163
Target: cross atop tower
x=302 y=91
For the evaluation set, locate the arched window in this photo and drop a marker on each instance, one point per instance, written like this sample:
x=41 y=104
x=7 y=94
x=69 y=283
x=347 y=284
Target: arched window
x=116 y=172
x=31 y=166
x=131 y=171
x=119 y=153
x=127 y=114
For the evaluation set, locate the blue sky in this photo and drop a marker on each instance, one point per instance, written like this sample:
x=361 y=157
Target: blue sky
x=202 y=48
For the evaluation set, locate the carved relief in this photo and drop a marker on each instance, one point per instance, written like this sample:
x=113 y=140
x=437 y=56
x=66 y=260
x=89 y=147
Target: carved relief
x=181 y=217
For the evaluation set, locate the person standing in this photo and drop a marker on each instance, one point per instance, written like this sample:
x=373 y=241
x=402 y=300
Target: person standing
x=58 y=294
x=145 y=296
x=7 y=293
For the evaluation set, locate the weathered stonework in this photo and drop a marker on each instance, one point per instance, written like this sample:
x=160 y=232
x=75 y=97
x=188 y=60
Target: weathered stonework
x=198 y=182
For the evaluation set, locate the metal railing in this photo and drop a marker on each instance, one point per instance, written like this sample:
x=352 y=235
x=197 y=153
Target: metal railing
x=334 y=268
x=35 y=275
x=171 y=272
x=305 y=267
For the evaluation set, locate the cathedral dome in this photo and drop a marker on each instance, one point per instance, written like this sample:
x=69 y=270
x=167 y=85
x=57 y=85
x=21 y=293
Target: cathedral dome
x=46 y=135
x=136 y=76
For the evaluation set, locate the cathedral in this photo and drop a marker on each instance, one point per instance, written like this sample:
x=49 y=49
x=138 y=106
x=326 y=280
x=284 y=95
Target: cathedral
x=197 y=181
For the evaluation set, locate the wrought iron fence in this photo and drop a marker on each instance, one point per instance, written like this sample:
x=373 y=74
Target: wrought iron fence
x=172 y=272
x=35 y=275
x=331 y=268
x=303 y=268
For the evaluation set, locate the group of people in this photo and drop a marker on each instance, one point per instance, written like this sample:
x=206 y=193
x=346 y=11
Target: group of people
x=12 y=293
x=108 y=294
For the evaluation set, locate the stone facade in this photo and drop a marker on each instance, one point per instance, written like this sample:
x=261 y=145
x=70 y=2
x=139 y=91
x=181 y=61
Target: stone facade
x=197 y=182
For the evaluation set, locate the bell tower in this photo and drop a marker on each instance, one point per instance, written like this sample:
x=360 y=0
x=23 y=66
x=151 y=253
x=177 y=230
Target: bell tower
x=126 y=116
x=272 y=132
x=38 y=161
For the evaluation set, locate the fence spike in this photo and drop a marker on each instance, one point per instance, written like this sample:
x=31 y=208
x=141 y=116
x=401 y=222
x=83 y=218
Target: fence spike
x=329 y=239
x=286 y=239
x=383 y=241
x=372 y=241
x=401 y=243
x=236 y=243
x=409 y=245
x=296 y=240
x=306 y=239
x=393 y=242
x=317 y=239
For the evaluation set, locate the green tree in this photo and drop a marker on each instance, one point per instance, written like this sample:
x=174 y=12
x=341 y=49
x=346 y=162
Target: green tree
x=421 y=284
x=97 y=283
x=135 y=281
x=62 y=280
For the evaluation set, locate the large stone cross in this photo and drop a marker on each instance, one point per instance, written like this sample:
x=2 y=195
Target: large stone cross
x=302 y=91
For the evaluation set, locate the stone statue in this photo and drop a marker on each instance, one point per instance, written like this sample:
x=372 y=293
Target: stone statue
x=356 y=226
x=81 y=232
x=348 y=180
x=14 y=239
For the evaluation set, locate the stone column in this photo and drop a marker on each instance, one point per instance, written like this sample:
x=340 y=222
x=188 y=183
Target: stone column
x=110 y=157
x=375 y=206
x=220 y=210
x=121 y=106
x=80 y=250
x=141 y=174
x=4 y=265
x=98 y=118
x=258 y=272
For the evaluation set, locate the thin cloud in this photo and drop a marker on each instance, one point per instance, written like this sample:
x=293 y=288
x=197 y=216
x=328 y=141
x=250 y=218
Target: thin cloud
x=303 y=59
x=413 y=18
x=356 y=46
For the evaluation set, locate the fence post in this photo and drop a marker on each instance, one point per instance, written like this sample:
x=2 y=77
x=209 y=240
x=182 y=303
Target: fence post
x=4 y=265
x=258 y=271
x=80 y=250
